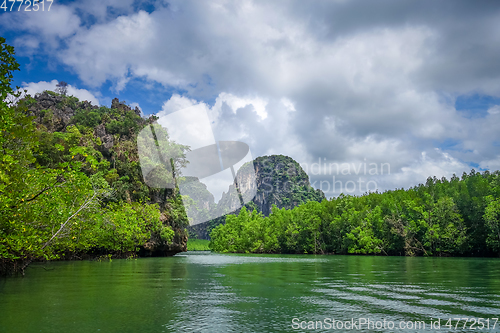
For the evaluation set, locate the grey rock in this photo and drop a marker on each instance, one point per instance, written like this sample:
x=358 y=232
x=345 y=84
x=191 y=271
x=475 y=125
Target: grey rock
x=279 y=180
x=100 y=131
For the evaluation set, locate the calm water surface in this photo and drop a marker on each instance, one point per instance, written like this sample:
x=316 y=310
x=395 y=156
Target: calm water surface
x=205 y=292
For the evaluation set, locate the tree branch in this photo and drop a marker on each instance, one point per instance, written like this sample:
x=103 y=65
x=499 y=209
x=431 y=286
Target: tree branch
x=59 y=179
x=85 y=205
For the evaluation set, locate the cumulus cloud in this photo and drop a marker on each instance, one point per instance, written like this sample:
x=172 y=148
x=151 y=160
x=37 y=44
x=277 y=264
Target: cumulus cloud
x=494 y=109
x=235 y=103
x=60 y=21
x=136 y=105
x=342 y=82
x=42 y=27
x=37 y=87
x=177 y=103
x=110 y=50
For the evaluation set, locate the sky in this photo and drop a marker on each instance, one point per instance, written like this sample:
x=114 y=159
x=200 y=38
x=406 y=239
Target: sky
x=365 y=95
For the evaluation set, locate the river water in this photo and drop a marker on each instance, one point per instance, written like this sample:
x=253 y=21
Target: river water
x=206 y=292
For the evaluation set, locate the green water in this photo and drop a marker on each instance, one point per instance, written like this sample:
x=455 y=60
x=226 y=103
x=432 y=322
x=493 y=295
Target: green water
x=203 y=292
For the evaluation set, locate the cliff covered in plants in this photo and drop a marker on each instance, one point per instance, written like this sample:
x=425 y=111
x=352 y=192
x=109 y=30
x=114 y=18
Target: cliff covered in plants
x=71 y=184
x=279 y=181
x=268 y=181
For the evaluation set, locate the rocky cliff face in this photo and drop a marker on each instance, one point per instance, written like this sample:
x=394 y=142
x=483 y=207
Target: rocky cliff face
x=115 y=130
x=155 y=247
x=55 y=111
x=201 y=200
x=279 y=180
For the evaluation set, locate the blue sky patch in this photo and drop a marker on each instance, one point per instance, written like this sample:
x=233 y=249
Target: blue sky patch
x=475 y=106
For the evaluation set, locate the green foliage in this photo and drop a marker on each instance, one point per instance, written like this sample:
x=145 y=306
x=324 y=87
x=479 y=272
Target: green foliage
x=492 y=217
x=86 y=118
x=124 y=227
x=362 y=237
x=440 y=218
x=126 y=125
x=45 y=212
x=198 y=245
x=61 y=197
x=57 y=149
x=8 y=64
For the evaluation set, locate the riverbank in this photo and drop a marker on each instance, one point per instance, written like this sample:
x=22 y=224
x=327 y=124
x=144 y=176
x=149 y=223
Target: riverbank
x=198 y=245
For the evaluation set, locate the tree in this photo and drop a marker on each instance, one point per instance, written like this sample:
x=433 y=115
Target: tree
x=363 y=236
x=16 y=133
x=38 y=205
x=446 y=232
x=62 y=88
x=492 y=217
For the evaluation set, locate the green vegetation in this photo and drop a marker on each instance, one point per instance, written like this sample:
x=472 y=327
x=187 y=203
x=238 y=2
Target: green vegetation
x=198 y=245
x=70 y=189
x=439 y=218
x=280 y=181
x=71 y=186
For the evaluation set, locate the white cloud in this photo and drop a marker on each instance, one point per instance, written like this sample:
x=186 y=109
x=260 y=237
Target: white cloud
x=136 y=105
x=27 y=42
x=189 y=126
x=359 y=176
x=440 y=165
x=111 y=50
x=47 y=27
x=288 y=104
x=494 y=109
x=305 y=81
x=236 y=103
x=177 y=103
x=493 y=164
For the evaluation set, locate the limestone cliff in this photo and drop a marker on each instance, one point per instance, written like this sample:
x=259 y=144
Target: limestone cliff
x=279 y=180
x=113 y=133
